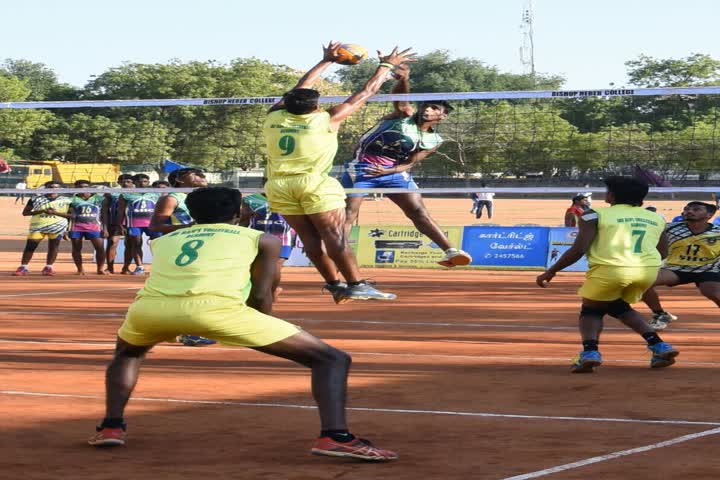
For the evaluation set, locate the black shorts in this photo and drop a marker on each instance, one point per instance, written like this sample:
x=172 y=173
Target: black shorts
x=696 y=277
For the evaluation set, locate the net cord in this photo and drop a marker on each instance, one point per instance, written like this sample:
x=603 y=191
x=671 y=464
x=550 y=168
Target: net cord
x=409 y=97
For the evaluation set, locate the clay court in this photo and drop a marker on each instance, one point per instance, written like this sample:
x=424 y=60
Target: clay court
x=465 y=375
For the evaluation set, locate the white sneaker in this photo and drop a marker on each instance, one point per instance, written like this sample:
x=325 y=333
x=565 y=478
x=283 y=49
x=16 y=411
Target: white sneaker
x=455 y=257
x=660 y=321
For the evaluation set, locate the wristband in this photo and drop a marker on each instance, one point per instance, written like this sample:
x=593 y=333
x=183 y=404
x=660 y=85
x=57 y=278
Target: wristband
x=387 y=64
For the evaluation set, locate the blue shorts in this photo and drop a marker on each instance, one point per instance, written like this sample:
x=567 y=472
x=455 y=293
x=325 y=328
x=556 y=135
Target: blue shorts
x=353 y=178
x=285 y=251
x=138 y=231
x=85 y=235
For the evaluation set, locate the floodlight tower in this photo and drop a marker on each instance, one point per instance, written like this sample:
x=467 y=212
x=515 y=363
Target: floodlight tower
x=527 y=47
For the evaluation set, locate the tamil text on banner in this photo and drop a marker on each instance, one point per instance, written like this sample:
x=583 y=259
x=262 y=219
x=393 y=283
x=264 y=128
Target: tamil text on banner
x=401 y=247
x=507 y=247
x=561 y=239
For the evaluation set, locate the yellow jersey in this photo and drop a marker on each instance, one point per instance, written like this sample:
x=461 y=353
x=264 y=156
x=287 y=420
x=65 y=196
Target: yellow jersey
x=208 y=259
x=627 y=236
x=690 y=252
x=45 y=223
x=299 y=144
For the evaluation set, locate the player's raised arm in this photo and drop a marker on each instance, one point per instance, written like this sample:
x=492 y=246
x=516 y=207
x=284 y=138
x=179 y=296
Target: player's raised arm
x=389 y=62
x=330 y=55
x=402 y=85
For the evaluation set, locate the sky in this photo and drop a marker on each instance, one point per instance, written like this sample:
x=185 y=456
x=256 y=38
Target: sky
x=586 y=42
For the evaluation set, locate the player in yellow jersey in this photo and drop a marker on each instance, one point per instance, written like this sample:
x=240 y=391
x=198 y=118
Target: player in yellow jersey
x=624 y=244
x=301 y=142
x=693 y=257
x=215 y=279
x=49 y=218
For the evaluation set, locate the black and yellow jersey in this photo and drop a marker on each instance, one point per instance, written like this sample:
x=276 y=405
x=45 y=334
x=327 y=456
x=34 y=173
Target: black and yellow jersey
x=690 y=252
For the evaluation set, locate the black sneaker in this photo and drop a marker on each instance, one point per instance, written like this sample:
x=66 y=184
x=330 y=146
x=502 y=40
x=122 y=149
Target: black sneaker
x=337 y=291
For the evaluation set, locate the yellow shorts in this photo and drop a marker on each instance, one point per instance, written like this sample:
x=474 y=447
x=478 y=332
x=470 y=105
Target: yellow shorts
x=152 y=320
x=38 y=236
x=606 y=283
x=304 y=194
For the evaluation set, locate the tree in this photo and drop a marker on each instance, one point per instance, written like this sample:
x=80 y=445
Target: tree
x=695 y=70
x=39 y=78
x=17 y=127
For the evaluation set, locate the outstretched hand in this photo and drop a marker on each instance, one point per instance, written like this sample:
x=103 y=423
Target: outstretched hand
x=330 y=53
x=397 y=57
x=401 y=72
x=543 y=280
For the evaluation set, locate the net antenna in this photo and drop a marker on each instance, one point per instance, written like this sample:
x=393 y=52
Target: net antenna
x=527 y=45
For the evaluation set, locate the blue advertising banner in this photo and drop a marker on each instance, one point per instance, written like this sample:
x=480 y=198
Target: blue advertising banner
x=561 y=238
x=507 y=247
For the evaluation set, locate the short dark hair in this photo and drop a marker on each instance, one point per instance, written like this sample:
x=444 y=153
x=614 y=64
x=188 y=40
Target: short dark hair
x=139 y=176
x=80 y=182
x=214 y=204
x=160 y=182
x=124 y=176
x=711 y=209
x=443 y=103
x=300 y=101
x=627 y=190
x=50 y=183
x=175 y=175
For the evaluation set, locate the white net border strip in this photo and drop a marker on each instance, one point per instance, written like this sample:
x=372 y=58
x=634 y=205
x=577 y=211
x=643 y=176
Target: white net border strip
x=434 y=191
x=411 y=97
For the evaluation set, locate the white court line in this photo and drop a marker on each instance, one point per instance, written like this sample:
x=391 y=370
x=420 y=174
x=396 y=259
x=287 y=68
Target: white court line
x=612 y=456
x=366 y=409
x=378 y=354
x=384 y=322
x=63 y=292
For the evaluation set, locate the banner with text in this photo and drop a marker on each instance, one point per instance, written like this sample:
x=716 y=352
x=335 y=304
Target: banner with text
x=561 y=238
x=507 y=247
x=401 y=247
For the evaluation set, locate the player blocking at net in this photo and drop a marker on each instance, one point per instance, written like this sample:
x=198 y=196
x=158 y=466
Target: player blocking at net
x=625 y=244
x=385 y=155
x=214 y=279
x=302 y=142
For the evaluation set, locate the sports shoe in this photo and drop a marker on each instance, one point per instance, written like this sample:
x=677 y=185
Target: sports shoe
x=364 y=290
x=337 y=292
x=660 y=321
x=663 y=355
x=108 y=437
x=139 y=271
x=586 y=361
x=48 y=271
x=356 y=448
x=455 y=257
x=195 y=340
x=21 y=272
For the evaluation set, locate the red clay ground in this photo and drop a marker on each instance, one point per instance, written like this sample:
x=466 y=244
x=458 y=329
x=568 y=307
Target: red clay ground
x=466 y=375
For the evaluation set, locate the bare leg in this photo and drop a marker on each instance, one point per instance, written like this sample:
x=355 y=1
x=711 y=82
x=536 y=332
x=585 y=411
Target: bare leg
x=121 y=376
x=711 y=290
x=413 y=207
x=331 y=227
x=352 y=212
x=330 y=368
x=53 y=249
x=77 y=254
x=312 y=243
x=97 y=243
x=591 y=325
x=112 y=243
x=30 y=247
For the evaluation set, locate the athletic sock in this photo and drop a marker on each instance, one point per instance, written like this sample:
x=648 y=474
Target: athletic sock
x=590 y=345
x=334 y=283
x=23 y=266
x=110 y=422
x=338 y=435
x=651 y=338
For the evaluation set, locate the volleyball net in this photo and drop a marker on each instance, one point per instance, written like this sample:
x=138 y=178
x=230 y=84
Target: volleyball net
x=512 y=139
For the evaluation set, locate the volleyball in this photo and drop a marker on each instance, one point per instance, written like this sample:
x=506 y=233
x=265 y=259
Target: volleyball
x=351 y=54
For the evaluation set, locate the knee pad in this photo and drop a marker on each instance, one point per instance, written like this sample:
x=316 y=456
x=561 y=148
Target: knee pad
x=618 y=307
x=600 y=312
